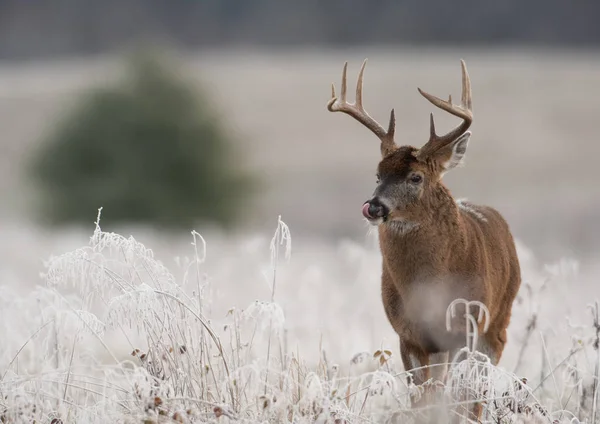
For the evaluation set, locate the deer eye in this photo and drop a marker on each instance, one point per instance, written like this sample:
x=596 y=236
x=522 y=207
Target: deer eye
x=416 y=178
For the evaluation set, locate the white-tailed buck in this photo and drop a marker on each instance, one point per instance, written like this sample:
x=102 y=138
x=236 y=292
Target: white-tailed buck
x=435 y=249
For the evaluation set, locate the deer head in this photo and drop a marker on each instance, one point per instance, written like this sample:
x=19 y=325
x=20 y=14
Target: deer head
x=408 y=178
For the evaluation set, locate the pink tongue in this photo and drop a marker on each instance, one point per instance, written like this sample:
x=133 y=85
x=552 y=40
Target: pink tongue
x=365 y=211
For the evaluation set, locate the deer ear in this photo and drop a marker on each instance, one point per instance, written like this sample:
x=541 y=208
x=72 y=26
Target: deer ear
x=454 y=154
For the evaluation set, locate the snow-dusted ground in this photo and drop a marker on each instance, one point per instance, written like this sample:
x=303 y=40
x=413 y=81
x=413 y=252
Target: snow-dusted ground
x=63 y=339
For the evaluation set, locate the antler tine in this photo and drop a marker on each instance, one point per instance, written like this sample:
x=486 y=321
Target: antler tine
x=432 y=134
x=466 y=84
x=392 y=125
x=357 y=111
x=359 y=85
x=344 y=82
x=464 y=111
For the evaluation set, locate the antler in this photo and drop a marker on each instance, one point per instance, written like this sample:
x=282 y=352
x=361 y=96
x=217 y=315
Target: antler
x=463 y=111
x=357 y=111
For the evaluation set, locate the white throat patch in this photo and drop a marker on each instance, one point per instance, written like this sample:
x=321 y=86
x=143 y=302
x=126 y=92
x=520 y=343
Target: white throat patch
x=402 y=227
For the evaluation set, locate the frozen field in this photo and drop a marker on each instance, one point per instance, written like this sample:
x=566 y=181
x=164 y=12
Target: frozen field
x=533 y=156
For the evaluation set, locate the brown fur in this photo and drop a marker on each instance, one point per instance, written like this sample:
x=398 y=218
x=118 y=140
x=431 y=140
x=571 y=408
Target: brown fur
x=451 y=254
x=433 y=250
x=450 y=247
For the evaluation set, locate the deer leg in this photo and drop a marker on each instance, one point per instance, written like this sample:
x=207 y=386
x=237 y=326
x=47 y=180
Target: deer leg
x=415 y=363
x=468 y=408
x=424 y=367
x=438 y=363
x=492 y=344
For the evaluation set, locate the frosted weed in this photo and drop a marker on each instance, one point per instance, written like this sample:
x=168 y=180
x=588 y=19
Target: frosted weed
x=115 y=337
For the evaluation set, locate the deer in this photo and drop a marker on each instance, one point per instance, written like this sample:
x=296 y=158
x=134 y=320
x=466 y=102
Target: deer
x=434 y=248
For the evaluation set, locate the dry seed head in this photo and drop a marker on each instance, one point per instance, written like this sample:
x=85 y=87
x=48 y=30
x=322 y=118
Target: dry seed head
x=264 y=401
x=359 y=358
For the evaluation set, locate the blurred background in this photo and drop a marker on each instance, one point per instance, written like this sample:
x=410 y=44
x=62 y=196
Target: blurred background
x=210 y=115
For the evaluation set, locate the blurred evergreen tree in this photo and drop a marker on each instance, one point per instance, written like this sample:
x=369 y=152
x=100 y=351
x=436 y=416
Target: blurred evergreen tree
x=149 y=149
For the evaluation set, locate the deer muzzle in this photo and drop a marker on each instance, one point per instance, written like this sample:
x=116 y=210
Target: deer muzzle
x=374 y=209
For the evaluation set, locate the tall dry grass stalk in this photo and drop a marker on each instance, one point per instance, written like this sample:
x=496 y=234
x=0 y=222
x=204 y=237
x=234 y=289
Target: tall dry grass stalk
x=115 y=337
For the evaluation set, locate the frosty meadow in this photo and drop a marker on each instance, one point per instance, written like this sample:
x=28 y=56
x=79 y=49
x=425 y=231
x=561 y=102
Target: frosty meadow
x=243 y=330
x=114 y=336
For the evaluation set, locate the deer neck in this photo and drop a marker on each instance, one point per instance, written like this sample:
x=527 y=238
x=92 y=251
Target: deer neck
x=426 y=247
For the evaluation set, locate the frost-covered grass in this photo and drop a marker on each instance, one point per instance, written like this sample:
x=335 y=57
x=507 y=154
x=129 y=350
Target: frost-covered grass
x=115 y=336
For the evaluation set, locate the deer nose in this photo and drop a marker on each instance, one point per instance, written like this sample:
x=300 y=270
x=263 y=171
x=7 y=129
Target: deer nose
x=374 y=209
